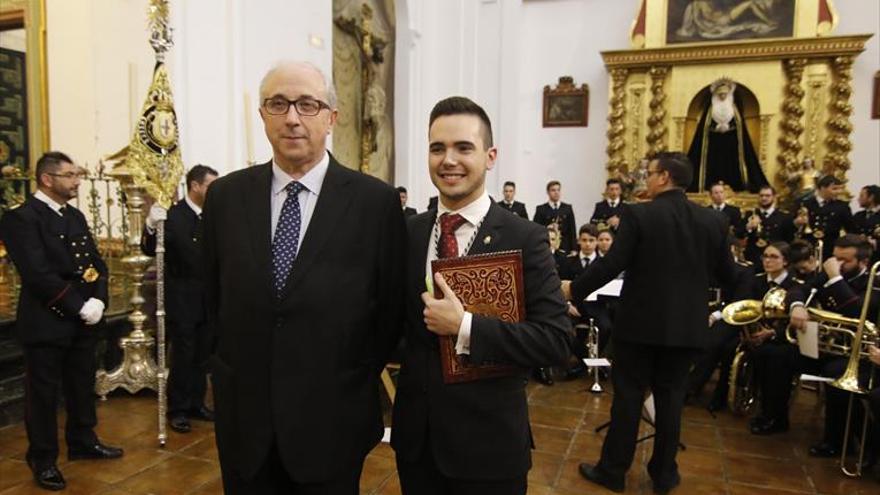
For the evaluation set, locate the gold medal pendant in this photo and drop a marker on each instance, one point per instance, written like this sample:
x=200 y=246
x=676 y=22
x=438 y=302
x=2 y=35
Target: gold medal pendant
x=818 y=234
x=761 y=243
x=91 y=274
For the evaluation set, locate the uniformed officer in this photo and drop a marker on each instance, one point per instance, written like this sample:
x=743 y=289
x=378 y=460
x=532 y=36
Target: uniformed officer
x=765 y=225
x=825 y=215
x=184 y=299
x=867 y=221
x=63 y=297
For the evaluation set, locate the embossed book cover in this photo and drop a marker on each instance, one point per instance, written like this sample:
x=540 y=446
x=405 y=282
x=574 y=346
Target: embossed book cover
x=487 y=285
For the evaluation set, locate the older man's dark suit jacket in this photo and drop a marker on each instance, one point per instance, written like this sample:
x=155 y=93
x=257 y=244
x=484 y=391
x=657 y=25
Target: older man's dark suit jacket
x=302 y=370
x=51 y=253
x=479 y=429
x=184 y=291
x=668 y=248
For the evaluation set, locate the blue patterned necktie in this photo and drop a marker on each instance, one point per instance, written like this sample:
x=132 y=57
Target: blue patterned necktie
x=286 y=240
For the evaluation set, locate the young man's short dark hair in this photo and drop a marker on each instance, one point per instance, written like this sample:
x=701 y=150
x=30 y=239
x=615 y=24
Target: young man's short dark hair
x=873 y=191
x=459 y=105
x=553 y=183
x=197 y=174
x=828 y=180
x=50 y=162
x=801 y=250
x=784 y=249
x=590 y=229
x=677 y=165
x=863 y=247
x=613 y=180
x=510 y=183
x=401 y=189
x=771 y=188
x=719 y=183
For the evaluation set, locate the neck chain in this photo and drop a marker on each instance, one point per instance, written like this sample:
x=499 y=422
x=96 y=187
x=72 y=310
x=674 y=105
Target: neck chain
x=436 y=235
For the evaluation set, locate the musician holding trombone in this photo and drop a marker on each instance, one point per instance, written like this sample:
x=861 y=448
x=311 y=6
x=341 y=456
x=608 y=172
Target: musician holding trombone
x=841 y=288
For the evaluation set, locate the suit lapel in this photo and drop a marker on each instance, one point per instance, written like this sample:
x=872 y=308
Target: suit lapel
x=421 y=238
x=333 y=201
x=258 y=204
x=490 y=231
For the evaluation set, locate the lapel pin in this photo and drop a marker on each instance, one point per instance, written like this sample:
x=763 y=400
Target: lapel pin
x=487 y=240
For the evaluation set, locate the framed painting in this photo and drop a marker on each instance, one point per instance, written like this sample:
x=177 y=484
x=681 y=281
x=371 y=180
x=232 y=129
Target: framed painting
x=875 y=107
x=700 y=21
x=566 y=105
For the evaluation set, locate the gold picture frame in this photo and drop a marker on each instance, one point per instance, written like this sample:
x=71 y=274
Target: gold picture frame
x=566 y=105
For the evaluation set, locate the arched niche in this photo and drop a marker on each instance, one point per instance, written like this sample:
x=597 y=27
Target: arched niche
x=750 y=108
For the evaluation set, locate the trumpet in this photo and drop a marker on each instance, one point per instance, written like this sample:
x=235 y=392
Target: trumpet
x=756 y=217
x=805 y=229
x=837 y=333
x=849 y=381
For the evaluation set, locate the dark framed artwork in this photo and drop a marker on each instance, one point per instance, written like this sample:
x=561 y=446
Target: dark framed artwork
x=566 y=105
x=699 y=21
x=875 y=107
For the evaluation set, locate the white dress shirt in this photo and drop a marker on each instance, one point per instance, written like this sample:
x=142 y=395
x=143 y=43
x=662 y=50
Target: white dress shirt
x=194 y=207
x=308 y=197
x=49 y=201
x=473 y=213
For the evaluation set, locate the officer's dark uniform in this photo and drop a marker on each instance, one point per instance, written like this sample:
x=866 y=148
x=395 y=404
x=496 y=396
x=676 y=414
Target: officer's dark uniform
x=867 y=223
x=827 y=221
x=60 y=270
x=777 y=226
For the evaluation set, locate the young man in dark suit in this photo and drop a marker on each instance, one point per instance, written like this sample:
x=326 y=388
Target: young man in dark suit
x=407 y=211
x=304 y=325
x=765 y=225
x=606 y=214
x=668 y=248
x=511 y=205
x=554 y=211
x=471 y=437
x=719 y=204
x=63 y=296
x=827 y=215
x=867 y=221
x=190 y=336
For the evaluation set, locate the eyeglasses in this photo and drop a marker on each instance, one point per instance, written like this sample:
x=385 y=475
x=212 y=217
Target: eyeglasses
x=305 y=106
x=68 y=175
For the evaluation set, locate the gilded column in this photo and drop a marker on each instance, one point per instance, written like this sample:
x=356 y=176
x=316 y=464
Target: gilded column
x=635 y=123
x=657 y=121
x=616 y=165
x=839 y=125
x=791 y=126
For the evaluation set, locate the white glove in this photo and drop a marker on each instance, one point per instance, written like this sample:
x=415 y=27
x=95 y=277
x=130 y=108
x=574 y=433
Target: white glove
x=92 y=311
x=157 y=214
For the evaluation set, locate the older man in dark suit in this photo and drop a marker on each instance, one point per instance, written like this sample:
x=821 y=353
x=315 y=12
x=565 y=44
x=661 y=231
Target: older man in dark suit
x=471 y=437
x=668 y=249
x=304 y=322
x=63 y=296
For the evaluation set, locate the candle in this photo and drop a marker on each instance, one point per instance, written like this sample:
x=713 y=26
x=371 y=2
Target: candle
x=248 y=137
x=132 y=97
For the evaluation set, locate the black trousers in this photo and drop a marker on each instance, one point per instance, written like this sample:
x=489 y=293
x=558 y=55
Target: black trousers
x=837 y=402
x=723 y=339
x=776 y=363
x=66 y=366
x=422 y=477
x=637 y=368
x=273 y=479
x=190 y=350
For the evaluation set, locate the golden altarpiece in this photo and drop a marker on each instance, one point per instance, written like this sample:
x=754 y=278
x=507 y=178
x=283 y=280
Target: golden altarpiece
x=794 y=88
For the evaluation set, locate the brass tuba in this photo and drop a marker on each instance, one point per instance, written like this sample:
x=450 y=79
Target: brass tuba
x=849 y=381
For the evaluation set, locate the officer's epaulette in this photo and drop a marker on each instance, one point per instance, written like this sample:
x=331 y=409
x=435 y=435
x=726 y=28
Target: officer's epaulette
x=784 y=212
x=760 y=274
x=744 y=263
x=797 y=280
x=572 y=255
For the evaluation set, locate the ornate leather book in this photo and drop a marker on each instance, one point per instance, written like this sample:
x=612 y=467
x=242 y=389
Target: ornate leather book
x=487 y=285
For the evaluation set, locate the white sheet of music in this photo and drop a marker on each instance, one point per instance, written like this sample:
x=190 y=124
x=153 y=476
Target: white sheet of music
x=808 y=340
x=611 y=289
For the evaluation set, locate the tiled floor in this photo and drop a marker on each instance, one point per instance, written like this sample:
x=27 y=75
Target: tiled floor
x=721 y=456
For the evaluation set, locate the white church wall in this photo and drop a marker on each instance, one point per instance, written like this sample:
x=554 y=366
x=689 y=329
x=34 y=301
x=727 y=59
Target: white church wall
x=448 y=48
x=222 y=49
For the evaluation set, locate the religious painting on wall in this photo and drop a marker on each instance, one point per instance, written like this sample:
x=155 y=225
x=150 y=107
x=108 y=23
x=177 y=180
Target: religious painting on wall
x=691 y=21
x=566 y=105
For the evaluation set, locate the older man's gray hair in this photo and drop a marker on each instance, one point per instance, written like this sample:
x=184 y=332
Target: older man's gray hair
x=329 y=89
